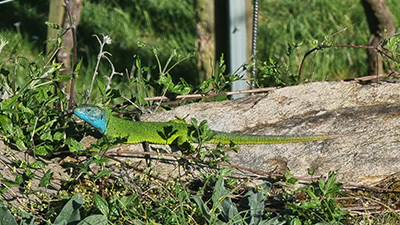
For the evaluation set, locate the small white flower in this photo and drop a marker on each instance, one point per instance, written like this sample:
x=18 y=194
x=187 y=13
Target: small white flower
x=107 y=39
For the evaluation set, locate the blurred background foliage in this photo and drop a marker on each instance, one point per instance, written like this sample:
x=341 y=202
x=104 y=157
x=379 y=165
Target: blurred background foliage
x=168 y=25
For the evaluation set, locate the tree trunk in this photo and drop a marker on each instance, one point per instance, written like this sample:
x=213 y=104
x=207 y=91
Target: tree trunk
x=379 y=18
x=64 y=54
x=58 y=15
x=205 y=43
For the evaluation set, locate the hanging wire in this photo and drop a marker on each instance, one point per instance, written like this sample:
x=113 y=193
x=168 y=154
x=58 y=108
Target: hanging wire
x=5 y=1
x=254 y=44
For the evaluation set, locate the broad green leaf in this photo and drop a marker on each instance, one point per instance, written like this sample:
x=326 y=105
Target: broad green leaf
x=205 y=211
x=11 y=111
x=70 y=212
x=94 y=220
x=101 y=204
x=6 y=218
x=224 y=203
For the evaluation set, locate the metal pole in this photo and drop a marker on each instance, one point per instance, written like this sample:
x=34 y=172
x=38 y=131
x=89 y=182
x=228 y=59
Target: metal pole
x=237 y=43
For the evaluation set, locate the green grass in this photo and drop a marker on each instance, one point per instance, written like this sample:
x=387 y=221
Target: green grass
x=286 y=21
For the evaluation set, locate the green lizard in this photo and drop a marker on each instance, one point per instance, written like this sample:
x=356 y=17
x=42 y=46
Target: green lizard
x=171 y=132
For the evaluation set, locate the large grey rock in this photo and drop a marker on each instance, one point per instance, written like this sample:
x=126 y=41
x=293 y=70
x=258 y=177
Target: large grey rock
x=367 y=115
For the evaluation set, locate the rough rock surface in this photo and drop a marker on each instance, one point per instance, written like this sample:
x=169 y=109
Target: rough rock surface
x=367 y=115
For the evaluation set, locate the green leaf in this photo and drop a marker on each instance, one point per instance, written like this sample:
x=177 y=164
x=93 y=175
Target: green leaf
x=4 y=71
x=46 y=136
x=101 y=204
x=311 y=193
x=5 y=216
x=45 y=179
x=221 y=98
x=223 y=172
x=224 y=203
x=70 y=213
x=166 y=80
x=254 y=200
x=41 y=150
x=12 y=183
x=24 y=109
x=95 y=220
x=53 y=25
x=103 y=173
x=19 y=179
x=102 y=87
x=29 y=174
x=391 y=44
x=74 y=145
x=289 y=180
x=296 y=221
x=21 y=144
x=6 y=123
x=78 y=66
x=182 y=87
x=313 y=204
x=205 y=211
x=58 y=136
x=2 y=191
x=37 y=165
x=63 y=78
x=6 y=104
x=46 y=125
x=274 y=221
x=138 y=222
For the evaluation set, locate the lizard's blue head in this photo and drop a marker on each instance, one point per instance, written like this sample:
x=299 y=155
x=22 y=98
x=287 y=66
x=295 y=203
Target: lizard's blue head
x=94 y=115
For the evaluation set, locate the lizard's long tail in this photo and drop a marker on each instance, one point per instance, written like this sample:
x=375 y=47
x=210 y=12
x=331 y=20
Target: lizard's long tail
x=241 y=139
